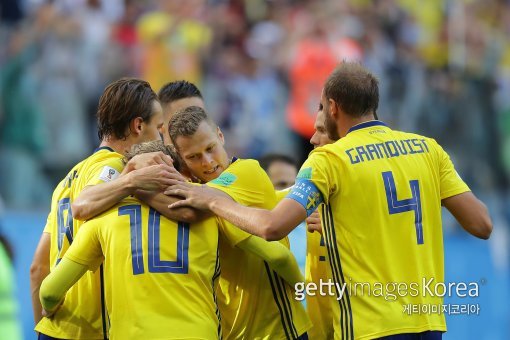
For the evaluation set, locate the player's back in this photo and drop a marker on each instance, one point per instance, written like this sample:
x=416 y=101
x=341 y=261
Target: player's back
x=254 y=301
x=383 y=226
x=80 y=316
x=159 y=274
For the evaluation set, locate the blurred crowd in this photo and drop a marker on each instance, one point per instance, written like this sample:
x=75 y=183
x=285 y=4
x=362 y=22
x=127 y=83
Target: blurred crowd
x=443 y=66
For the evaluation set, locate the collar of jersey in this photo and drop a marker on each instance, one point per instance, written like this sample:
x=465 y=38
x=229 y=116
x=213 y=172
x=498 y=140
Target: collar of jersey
x=366 y=124
x=103 y=148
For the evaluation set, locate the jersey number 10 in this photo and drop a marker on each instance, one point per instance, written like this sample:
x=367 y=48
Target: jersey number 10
x=156 y=265
x=396 y=206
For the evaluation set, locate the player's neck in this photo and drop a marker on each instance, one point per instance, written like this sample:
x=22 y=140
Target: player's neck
x=349 y=122
x=119 y=146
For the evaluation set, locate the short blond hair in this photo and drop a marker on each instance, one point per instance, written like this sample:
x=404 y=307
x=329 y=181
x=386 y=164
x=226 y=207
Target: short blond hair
x=154 y=146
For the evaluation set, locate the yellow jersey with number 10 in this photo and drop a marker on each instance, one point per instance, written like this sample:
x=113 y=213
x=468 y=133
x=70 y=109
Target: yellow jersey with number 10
x=80 y=317
x=159 y=274
x=382 y=191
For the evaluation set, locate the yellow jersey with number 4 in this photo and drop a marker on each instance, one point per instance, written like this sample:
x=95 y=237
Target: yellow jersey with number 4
x=255 y=303
x=382 y=191
x=80 y=317
x=159 y=274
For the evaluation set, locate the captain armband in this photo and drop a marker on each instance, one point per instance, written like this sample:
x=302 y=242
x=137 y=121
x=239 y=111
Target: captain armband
x=306 y=193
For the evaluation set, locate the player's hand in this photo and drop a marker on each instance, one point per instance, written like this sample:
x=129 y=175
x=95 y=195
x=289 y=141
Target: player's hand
x=313 y=222
x=195 y=196
x=147 y=159
x=155 y=177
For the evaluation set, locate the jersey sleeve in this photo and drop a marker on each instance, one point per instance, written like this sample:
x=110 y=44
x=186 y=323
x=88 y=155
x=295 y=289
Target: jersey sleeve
x=314 y=182
x=281 y=194
x=233 y=234
x=86 y=247
x=104 y=171
x=49 y=223
x=451 y=183
x=247 y=184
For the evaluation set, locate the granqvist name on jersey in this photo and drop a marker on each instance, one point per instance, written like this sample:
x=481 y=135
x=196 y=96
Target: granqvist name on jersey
x=388 y=149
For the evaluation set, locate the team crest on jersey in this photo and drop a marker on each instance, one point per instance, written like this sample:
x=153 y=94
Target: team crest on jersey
x=108 y=174
x=305 y=173
x=225 y=179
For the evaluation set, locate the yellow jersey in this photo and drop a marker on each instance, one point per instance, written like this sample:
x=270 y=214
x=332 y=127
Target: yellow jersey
x=159 y=274
x=382 y=191
x=316 y=270
x=82 y=314
x=255 y=303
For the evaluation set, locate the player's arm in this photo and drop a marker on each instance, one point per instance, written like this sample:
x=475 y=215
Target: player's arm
x=95 y=199
x=39 y=269
x=269 y=224
x=468 y=210
x=160 y=202
x=277 y=256
x=471 y=213
x=55 y=286
x=84 y=254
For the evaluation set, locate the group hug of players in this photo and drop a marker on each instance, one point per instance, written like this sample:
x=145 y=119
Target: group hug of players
x=168 y=239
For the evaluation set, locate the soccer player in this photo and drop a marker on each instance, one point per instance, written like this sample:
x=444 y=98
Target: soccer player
x=128 y=113
x=281 y=169
x=383 y=191
x=174 y=97
x=160 y=275
x=254 y=301
x=316 y=266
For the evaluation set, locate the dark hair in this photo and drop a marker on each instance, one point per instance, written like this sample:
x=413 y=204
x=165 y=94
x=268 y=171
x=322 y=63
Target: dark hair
x=178 y=90
x=154 y=146
x=122 y=101
x=186 y=122
x=267 y=160
x=354 y=89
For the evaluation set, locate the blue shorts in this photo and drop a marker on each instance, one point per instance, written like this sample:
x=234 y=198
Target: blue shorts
x=428 y=335
x=303 y=336
x=45 y=337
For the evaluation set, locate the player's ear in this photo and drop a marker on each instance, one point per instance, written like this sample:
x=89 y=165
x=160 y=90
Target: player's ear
x=333 y=108
x=220 y=135
x=136 y=125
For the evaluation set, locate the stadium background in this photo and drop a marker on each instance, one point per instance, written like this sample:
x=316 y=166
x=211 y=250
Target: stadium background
x=443 y=66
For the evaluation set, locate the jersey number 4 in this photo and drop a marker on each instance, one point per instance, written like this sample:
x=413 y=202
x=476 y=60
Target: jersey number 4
x=156 y=264
x=396 y=206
